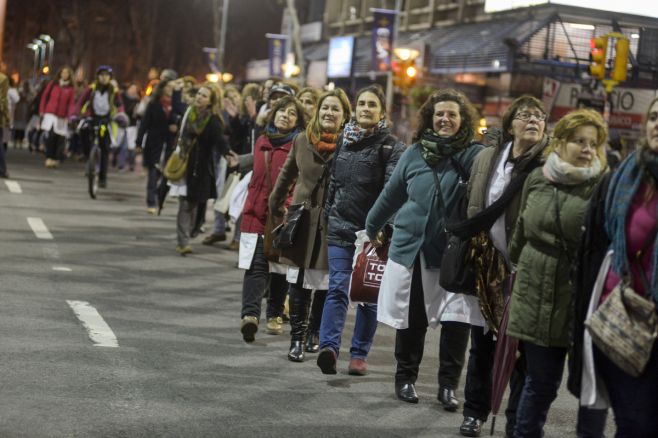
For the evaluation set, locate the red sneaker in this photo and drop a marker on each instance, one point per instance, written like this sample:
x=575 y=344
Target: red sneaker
x=357 y=367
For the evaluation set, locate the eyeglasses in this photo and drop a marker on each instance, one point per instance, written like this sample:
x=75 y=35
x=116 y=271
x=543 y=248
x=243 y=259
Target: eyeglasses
x=526 y=116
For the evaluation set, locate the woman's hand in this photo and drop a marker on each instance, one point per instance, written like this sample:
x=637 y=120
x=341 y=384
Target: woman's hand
x=379 y=240
x=173 y=128
x=230 y=107
x=232 y=159
x=250 y=105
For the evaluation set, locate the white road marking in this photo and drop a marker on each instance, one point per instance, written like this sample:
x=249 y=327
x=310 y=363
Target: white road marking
x=13 y=186
x=62 y=269
x=100 y=333
x=39 y=228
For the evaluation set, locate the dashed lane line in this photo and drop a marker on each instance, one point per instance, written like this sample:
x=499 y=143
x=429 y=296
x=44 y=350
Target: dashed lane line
x=13 y=186
x=62 y=269
x=39 y=228
x=99 y=332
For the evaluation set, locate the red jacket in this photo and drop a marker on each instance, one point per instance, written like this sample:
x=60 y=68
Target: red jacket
x=254 y=213
x=57 y=100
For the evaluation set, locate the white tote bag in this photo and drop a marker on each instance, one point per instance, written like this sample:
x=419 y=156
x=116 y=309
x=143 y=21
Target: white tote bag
x=224 y=200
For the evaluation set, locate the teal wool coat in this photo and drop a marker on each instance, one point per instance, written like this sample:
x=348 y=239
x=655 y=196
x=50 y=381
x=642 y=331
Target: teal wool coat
x=411 y=193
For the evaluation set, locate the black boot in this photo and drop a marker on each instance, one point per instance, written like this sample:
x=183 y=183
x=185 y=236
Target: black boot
x=299 y=302
x=312 y=341
x=296 y=353
x=313 y=334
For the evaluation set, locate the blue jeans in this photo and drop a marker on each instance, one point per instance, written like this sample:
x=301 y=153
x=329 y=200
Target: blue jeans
x=633 y=399
x=545 y=368
x=335 y=308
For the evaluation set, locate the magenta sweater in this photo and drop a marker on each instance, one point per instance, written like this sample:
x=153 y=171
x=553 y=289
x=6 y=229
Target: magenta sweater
x=639 y=227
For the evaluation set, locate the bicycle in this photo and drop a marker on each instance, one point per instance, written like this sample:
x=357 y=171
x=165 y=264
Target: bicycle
x=93 y=166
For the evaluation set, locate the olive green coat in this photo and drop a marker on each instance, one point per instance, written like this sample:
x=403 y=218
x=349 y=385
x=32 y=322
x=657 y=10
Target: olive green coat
x=307 y=169
x=541 y=308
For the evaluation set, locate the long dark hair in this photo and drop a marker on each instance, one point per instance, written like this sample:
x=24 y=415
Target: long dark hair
x=426 y=112
x=159 y=90
x=375 y=89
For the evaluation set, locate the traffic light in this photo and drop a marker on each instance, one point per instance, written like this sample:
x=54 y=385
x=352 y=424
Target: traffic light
x=598 y=56
x=620 y=68
x=404 y=73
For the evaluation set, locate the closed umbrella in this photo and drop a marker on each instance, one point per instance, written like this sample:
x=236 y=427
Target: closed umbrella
x=163 y=189
x=504 y=359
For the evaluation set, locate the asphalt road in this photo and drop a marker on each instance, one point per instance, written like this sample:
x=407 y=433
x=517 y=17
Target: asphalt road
x=181 y=368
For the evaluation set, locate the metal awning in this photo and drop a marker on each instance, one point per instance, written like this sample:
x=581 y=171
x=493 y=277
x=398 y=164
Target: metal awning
x=481 y=47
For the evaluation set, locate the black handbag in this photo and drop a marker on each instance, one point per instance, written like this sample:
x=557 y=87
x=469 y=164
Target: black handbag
x=457 y=272
x=458 y=267
x=284 y=237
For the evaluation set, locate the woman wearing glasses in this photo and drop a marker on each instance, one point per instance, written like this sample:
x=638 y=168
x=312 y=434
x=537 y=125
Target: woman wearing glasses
x=498 y=175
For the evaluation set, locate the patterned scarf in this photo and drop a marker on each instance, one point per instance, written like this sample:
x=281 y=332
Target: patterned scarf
x=623 y=186
x=278 y=139
x=435 y=148
x=194 y=122
x=326 y=142
x=353 y=133
x=558 y=171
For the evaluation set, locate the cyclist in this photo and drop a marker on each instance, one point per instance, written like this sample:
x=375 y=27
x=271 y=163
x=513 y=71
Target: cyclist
x=101 y=105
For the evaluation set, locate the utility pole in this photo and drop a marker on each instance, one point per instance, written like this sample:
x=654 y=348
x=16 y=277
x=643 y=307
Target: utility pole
x=222 y=38
x=299 y=54
x=3 y=14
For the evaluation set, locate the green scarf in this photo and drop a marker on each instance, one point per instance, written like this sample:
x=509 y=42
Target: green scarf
x=194 y=122
x=435 y=148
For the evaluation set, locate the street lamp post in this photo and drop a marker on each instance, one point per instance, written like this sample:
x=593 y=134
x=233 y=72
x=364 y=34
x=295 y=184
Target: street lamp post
x=42 y=51
x=51 y=47
x=35 y=49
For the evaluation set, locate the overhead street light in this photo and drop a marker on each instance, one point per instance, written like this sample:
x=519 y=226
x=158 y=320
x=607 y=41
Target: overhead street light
x=42 y=51
x=51 y=47
x=36 y=49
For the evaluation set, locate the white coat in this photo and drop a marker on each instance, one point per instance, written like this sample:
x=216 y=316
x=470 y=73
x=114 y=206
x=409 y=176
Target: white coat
x=440 y=304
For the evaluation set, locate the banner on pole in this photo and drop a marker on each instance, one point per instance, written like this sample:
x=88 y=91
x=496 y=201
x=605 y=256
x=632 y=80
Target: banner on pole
x=382 y=39
x=277 y=53
x=211 y=58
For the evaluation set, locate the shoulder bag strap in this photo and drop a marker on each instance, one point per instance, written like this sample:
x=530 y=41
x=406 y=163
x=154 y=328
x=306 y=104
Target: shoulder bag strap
x=385 y=152
x=437 y=183
x=463 y=174
x=268 y=175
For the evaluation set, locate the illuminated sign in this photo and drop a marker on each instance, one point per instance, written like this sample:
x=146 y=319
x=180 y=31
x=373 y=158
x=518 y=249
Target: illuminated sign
x=339 y=62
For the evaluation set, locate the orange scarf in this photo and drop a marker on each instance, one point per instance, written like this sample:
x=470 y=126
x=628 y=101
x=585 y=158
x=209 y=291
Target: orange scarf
x=326 y=142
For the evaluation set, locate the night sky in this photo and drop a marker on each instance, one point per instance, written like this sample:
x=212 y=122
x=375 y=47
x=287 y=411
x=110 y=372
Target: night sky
x=132 y=35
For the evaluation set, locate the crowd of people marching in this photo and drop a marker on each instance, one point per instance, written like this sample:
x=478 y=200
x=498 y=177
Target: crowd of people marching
x=557 y=249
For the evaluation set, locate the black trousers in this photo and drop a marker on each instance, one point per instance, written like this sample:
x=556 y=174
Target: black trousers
x=410 y=342
x=55 y=145
x=479 y=379
x=254 y=286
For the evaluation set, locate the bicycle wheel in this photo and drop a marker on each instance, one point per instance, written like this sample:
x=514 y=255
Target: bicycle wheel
x=92 y=172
